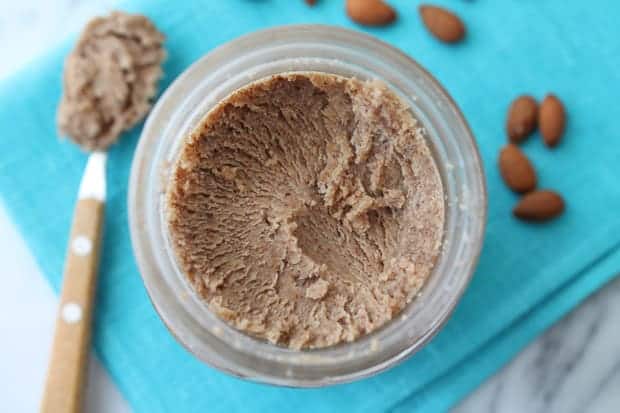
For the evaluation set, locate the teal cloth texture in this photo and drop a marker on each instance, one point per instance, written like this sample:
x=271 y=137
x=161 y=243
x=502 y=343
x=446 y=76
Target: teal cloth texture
x=528 y=275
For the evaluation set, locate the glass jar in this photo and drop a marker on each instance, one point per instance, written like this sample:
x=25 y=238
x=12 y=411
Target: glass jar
x=291 y=49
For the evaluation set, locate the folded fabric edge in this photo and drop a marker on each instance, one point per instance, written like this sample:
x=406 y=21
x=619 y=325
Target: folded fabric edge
x=460 y=380
x=602 y=254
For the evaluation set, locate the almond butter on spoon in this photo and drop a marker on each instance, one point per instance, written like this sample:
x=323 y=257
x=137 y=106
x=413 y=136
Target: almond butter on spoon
x=109 y=80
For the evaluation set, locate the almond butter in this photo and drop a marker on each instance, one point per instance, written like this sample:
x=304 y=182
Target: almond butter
x=522 y=117
x=516 y=169
x=539 y=206
x=370 y=12
x=552 y=120
x=442 y=23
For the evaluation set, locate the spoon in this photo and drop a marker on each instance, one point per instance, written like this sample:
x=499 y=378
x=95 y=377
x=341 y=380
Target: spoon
x=109 y=82
x=67 y=369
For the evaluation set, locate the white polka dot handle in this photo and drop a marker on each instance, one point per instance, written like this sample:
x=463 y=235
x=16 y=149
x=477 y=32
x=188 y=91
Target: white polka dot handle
x=67 y=370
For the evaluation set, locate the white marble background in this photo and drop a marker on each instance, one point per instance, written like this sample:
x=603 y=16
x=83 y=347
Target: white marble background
x=574 y=367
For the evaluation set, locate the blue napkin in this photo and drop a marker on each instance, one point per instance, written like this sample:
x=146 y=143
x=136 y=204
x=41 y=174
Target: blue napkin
x=529 y=275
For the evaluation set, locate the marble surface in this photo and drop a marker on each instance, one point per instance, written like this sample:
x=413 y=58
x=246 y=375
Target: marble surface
x=574 y=367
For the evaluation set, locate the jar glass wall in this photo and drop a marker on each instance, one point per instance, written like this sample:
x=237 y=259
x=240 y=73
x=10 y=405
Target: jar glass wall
x=302 y=49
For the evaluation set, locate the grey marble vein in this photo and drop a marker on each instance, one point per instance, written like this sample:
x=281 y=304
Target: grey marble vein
x=572 y=368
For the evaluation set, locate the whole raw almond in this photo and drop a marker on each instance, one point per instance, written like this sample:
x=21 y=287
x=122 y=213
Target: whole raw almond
x=516 y=169
x=522 y=117
x=442 y=23
x=539 y=206
x=552 y=120
x=310 y=2
x=370 y=12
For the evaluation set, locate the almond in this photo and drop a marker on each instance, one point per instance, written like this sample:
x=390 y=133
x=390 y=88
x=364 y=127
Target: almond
x=552 y=120
x=370 y=12
x=310 y=2
x=443 y=24
x=522 y=117
x=516 y=169
x=539 y=206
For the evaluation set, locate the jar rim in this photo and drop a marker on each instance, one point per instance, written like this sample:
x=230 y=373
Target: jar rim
x=213 y=341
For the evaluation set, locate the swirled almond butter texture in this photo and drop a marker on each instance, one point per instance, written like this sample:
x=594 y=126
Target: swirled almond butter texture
x=110 y=79
x=307 y=209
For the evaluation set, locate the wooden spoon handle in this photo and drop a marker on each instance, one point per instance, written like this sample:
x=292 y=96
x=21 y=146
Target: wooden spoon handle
x=64 y=387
